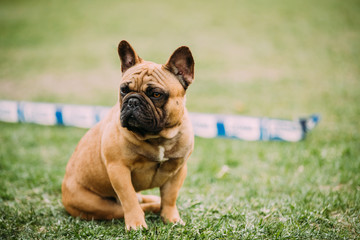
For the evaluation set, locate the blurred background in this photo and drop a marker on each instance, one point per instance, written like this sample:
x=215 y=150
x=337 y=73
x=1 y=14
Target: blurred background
x=280 y=59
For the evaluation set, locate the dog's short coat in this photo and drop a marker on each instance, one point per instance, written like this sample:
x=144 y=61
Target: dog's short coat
x=144 y=142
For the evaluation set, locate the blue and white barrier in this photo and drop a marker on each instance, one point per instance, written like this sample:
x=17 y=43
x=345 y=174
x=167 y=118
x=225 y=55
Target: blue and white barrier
x=205 y=125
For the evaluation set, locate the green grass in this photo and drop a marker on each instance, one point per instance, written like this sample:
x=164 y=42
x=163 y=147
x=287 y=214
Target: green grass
x=279 y=59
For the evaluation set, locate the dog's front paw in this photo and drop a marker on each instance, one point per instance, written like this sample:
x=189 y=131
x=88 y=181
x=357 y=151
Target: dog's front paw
x=136 y=225
x=135 y=222
x=171 y=215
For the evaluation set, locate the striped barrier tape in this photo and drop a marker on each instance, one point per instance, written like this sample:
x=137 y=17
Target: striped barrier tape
x=204 y=125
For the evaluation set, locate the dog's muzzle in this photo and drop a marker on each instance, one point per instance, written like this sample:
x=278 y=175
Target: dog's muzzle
x=138 y=116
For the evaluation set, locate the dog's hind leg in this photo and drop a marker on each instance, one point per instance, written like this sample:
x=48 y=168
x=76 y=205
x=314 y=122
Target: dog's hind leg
x=148 y=198
x=83 y=203
x=88 y=205
x=149 y=203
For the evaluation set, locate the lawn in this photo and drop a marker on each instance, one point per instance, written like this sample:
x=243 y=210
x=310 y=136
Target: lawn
x=281 y=59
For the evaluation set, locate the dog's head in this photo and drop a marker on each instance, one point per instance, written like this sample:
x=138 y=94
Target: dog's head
x=152 y=96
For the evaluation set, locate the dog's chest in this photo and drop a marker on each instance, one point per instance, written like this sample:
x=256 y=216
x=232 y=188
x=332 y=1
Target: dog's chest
x=155 y=170
x=161 y=156
x=157 y=153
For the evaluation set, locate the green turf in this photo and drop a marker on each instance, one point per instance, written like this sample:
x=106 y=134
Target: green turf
x=262 y=58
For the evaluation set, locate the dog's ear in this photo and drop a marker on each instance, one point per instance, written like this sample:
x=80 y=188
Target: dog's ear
x=127 y=56
x=181 y=64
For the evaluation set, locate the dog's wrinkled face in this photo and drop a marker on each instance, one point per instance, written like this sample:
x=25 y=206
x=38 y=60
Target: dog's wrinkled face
x=144 y=97
x=152 y=96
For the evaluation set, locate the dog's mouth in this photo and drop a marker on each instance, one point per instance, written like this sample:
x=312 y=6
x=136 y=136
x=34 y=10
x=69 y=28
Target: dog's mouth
x=133 y=122
x=138 y=116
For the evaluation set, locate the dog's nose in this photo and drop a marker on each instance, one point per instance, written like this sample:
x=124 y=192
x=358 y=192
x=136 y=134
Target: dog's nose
x=133 y=102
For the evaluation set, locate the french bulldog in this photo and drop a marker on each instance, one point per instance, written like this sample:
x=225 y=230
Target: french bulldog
x=142 y=143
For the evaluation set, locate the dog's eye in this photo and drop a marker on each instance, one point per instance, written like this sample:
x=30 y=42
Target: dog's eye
x=156 y=95
x=124 y=90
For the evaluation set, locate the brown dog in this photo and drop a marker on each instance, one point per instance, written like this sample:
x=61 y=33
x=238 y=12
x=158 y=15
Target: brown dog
x=144 y=142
